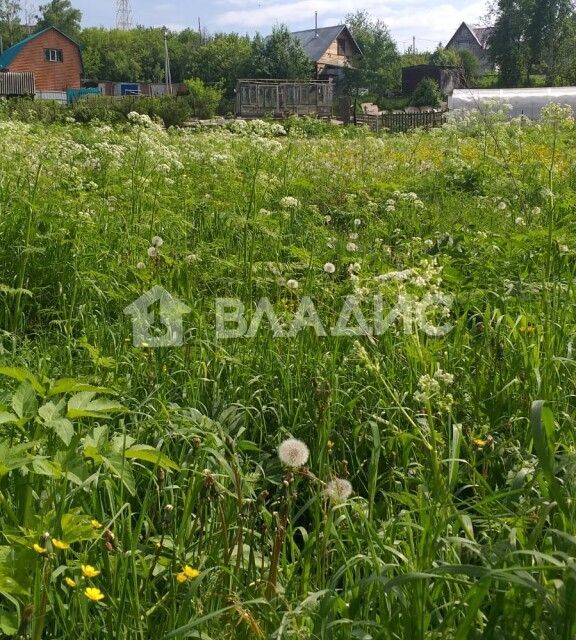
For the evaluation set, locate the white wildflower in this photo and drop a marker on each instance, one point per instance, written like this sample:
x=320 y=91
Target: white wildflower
x=329 y=268
x=520 y=221
x=293 y=453
x=357 y=222
x=288 y=202
x=351 y=247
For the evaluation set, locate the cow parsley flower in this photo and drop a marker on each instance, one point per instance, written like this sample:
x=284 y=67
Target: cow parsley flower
x=293 y=453
x=338 y=490
x=288 y=202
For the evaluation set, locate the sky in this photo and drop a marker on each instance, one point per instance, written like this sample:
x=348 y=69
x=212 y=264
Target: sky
x=431 y=21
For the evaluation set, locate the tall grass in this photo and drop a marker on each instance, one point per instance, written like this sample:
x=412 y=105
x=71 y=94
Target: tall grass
x=152 y=465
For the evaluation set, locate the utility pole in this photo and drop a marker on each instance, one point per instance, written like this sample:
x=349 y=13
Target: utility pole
x=168 y=73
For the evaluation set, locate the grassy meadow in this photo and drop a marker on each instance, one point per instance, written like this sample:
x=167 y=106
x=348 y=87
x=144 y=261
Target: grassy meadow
x=141 y=491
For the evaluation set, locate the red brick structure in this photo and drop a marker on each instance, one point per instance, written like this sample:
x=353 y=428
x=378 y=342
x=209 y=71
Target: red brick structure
x=53 y=58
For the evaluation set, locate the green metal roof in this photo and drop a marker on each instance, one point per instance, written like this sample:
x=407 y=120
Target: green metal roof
x=7 y=58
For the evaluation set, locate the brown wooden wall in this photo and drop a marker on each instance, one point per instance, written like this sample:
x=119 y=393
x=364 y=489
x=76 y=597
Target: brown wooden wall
x=51 y=76
x=332 y=58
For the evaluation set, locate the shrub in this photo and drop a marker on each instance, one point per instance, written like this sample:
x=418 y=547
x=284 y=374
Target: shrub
x=427 y=94
x=205 y=100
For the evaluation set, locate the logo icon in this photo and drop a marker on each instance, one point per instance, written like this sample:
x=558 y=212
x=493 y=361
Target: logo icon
x=157 y=319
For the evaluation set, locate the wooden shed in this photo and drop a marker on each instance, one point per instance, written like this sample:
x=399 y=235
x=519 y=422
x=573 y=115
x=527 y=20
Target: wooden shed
x=17 y=84
x=283 y=98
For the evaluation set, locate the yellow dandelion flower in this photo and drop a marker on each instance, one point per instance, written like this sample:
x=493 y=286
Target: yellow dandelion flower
x=181 y=577
x=88 y=571
x=189 y=572
x=95 y=524
x=94 y=594
x=39 y=549
x=70 y=582
x=330 y=445
x=60 y=545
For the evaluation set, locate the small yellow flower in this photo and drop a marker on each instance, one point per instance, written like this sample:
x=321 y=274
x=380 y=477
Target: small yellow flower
x=88 y=571
x=181 y=577
x=95 y=524
x=70 y=582
x=528 y=329
x=330 y=445
x=60 y=545
x=189 y=572
x=39 y=549
x=94 y=594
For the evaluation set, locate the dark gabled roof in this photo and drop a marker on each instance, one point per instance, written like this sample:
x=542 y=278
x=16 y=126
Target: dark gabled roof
x=7 y=58
x=480 y=34
x=316 y=42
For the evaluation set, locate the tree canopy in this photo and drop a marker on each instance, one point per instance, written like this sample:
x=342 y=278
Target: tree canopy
x=62 y=15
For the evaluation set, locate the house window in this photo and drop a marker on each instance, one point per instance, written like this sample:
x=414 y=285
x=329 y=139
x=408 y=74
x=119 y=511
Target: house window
x=53 y=55
x=341 y=46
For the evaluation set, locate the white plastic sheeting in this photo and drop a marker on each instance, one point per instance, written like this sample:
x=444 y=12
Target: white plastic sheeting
x=528 y=102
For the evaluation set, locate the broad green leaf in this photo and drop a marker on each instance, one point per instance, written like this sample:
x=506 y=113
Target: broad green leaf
x=23 y=375
x=69 y=385
x=14 y=457
x=44 y=467
x=149 y=454
x=24 y=402
x=53 y=419
x=8 y=418
x=8 y=622
x=85 y=405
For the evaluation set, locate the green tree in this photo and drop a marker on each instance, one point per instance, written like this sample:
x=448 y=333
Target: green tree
x=378 y=70
x=508 y=46
x=280 y=56
x=546 y=31
x=470 y=66
x=445 y=57
x=11 y=29
x=222 y=60
x=62 y=15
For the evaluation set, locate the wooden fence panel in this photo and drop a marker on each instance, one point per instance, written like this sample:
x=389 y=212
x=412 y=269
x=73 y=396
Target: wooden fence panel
x=402 y=122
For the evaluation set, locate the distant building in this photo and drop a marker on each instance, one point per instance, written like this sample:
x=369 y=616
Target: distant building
x=476 y=40
x=331 y=49
x=53 y=58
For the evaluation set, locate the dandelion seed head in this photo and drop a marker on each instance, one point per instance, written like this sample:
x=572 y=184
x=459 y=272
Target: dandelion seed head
x=351 y=247
x=153 y=252
x=292 y=284
x=329 y=268
x=338 y=490
x=157 y=242
x=293 y=453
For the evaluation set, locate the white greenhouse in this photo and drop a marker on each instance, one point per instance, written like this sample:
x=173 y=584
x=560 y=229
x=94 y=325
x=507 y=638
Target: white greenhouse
x=527 y=102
